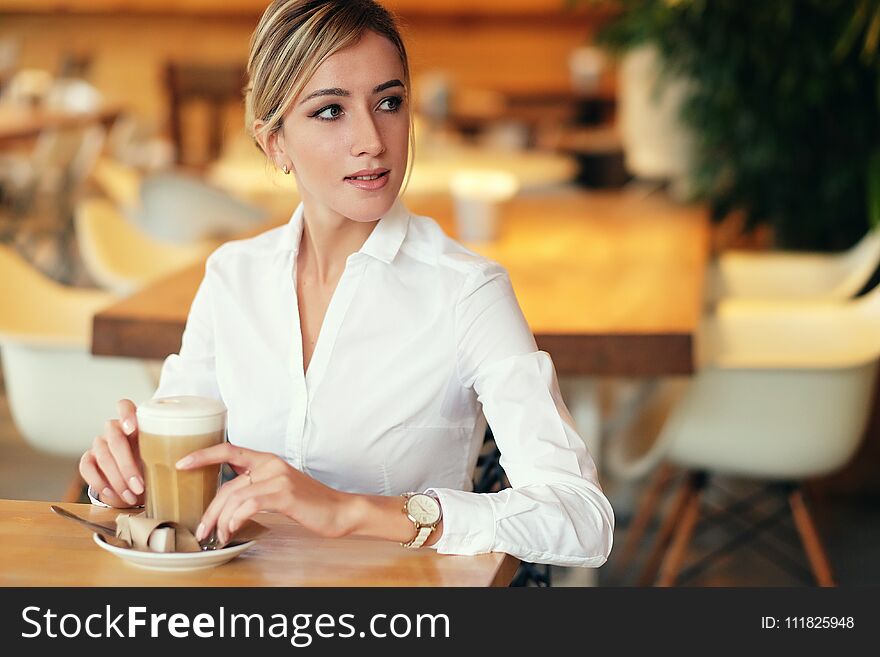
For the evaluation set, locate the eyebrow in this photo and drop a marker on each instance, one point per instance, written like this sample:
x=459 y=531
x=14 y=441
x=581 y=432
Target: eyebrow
x=336 y=91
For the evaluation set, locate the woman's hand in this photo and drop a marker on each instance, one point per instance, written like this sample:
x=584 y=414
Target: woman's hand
x=112 y=467
x=266 y=482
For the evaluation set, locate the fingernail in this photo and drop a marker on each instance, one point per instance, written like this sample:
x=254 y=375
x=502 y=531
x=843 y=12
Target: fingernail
x=129 y=497
x=106 y=494
x=200 y=531
x=128 y=426
x=136 y=485
x=231 y=527
x=184 y=462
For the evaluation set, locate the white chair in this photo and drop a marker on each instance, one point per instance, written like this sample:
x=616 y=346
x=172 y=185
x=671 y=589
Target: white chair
x=782 y=395
x=119 y=256
x=181 y=208
x=59 y=394
x=794 y=276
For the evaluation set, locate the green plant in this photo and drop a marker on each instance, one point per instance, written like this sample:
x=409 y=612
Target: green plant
x=784 y=108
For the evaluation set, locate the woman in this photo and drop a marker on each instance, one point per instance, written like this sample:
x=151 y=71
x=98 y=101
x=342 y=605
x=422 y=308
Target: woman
x=357 y=348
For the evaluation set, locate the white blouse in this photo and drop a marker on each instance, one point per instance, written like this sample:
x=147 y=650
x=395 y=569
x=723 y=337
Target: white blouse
x=421 y=340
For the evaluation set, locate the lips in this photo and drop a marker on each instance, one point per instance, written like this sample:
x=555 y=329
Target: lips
x=368 y=179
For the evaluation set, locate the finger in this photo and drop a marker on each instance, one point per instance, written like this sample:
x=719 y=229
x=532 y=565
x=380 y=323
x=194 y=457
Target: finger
x=261 y=500
x=111 y=473
x=120 y=448
x=209 y=517
x=127 y=412
x=242 y=504
x=239 y=458
x=90 y=473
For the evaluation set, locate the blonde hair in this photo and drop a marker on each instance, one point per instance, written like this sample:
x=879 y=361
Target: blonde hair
x=293 y=38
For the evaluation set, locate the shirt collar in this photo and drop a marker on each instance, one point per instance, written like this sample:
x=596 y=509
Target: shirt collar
x=383 y=243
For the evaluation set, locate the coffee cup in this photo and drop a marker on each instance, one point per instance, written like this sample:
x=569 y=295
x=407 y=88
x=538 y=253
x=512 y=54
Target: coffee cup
x=477 y=195
x=169 y=428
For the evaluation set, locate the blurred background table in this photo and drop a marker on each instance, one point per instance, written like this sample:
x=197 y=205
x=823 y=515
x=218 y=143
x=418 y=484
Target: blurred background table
x=42 y=549
x=610 y=283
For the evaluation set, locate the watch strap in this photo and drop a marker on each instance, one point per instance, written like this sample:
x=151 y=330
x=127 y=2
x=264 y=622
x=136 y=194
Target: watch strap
x=420 y=537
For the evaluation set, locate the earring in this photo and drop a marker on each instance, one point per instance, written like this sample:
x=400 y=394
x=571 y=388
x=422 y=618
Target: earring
x=285 y=169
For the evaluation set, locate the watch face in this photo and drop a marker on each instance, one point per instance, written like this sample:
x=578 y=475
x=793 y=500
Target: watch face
x=424 y=509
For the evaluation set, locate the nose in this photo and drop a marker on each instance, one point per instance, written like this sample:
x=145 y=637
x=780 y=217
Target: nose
x=366 y=139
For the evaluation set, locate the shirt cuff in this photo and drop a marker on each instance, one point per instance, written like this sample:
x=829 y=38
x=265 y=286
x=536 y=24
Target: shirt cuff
x=93 y=498
x=468 y=522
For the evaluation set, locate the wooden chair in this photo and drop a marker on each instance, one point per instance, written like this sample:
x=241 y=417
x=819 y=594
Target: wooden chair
x=217 y=85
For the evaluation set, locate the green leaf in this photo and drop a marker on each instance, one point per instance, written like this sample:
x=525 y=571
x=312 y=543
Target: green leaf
x=874 y=189
x=856 y=24
x=872 y=36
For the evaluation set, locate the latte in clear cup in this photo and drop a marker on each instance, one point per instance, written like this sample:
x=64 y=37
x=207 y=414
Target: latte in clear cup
x=169 y=428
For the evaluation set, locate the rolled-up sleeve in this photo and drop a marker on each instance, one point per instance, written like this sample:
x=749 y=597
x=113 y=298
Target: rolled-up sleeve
x=555 y=512
x=192 y=370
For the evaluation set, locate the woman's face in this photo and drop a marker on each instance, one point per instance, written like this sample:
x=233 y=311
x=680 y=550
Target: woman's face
x=346 y=135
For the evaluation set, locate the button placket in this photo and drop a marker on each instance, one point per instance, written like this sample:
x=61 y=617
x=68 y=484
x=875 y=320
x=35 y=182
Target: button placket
x=342 y=297
x=299 y=400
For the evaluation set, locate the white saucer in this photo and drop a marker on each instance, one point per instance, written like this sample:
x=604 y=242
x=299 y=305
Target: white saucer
x=174 y=561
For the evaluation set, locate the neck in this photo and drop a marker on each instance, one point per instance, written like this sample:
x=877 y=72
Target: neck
x=328 y=239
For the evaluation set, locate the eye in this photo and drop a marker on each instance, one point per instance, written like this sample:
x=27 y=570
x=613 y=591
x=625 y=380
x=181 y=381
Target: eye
x=329 y=113
x=391 y=104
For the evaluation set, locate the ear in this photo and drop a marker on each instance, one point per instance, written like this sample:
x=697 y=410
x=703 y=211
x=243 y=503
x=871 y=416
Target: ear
x=271 y=145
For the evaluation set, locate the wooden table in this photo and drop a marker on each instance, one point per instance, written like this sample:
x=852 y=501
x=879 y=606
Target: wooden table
x=43 y=549
x=610 y=283
x=19 y=123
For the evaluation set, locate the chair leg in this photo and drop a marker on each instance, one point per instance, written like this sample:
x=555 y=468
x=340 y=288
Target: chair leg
x=816 y=554
x=643 y=517
x=674 y=558
x=649 y=574
x=74 y=489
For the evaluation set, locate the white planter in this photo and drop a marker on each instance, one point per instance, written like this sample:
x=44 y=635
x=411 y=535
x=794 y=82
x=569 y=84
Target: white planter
x=657 y=146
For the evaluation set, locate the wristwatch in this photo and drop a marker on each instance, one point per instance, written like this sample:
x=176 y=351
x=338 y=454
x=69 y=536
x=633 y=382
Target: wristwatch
x=425 y=512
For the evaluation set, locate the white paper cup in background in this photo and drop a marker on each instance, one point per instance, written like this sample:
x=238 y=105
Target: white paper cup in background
x=477 y=194
x=169 y=428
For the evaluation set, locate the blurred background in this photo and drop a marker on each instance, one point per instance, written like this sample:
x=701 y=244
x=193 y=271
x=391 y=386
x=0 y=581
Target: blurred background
x=686 y=194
